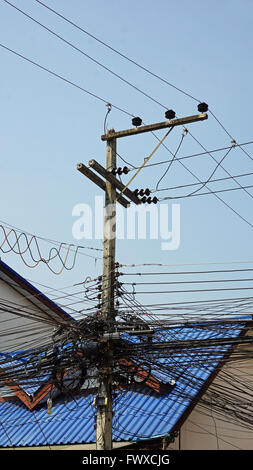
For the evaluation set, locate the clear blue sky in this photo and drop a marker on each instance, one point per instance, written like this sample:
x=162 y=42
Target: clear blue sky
x=48 y=126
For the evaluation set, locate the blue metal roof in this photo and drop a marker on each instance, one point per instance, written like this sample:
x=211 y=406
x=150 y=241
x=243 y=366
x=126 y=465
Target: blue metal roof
x=138 y=413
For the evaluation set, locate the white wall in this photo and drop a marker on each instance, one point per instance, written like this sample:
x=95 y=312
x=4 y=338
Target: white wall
x=228 y=428
x=26 y=327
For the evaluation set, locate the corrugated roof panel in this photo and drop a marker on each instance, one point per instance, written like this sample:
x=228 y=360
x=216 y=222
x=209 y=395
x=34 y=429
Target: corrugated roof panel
x=23 y=427
x=144 y=418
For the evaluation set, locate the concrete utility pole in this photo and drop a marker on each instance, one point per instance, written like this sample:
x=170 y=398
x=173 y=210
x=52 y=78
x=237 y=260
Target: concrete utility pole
x=104 y=399
x=104 y=396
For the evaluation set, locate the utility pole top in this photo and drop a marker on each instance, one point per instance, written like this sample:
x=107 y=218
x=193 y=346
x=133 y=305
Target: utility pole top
x=111 y=134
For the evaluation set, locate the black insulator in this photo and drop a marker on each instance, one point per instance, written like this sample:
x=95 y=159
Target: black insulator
x=202 y=107
x=136 y=192
x=155 y=200
x=142 y=192
x=119 y=171
x=136 y=121
x=125 y=170
x=114 y=171
x=149 y=200
x=147 y=192
x=144 y=199
x=170 y=114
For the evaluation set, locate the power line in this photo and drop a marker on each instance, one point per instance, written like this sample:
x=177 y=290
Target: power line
x=147 y=70
x=192 y=290
x=62 y=78
x=193 y=361
x=210 y=177
x=169 y=305
x=106 y=68
x=207 y=152
x=173 y=159
x=199 y=281
x=13 y=240
x=105 y=101
x=202 y=182
x=216 y=271
x=49 y=240
x=219 y=163
x=115 y=50
x=85 y=54
x=216 y=195
x=187 y=264
x=134 y=62
x=207 y=193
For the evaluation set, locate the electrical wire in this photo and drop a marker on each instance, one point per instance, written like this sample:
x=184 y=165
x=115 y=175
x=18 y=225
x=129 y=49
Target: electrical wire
x=51 y=72
x=146 y=69
x=208 y=193
x=219 y=163
x=200 y=154
x=113 y=49
x=136 y=350
x=106 y=101
x=204 y=182
x=13 y=240
x=211 y=175
x=182 y=357
x=85 y=54
x=235 y=212
x=216 y=195
x=173 y=159
x=49 y=240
